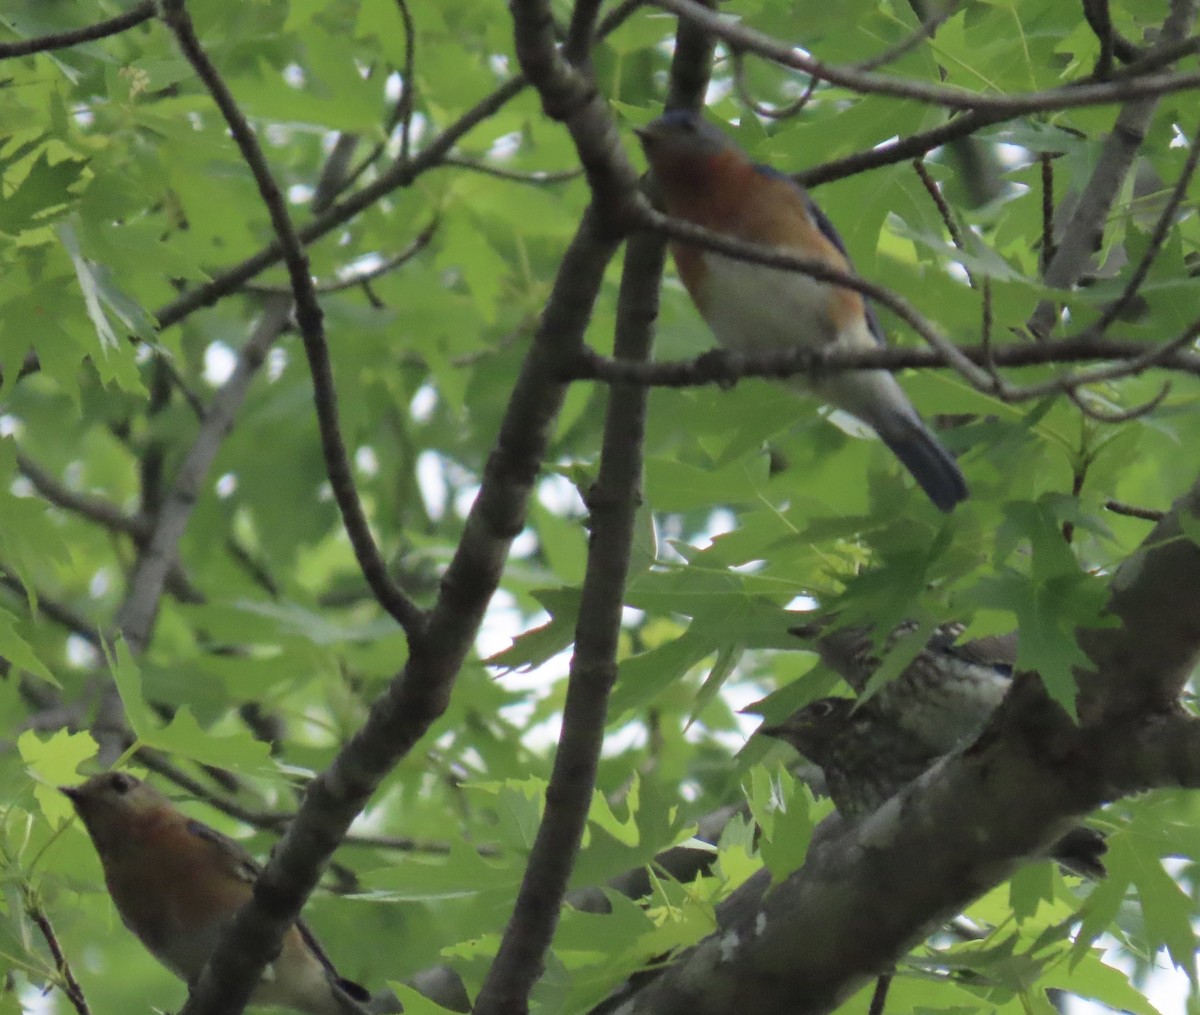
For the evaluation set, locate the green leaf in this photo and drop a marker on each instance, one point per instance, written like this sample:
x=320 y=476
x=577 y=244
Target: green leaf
x=183 y=736
x=1167 y=910
x=54 y=762
x=601 y=815
x=461 y=874
x=18 y=651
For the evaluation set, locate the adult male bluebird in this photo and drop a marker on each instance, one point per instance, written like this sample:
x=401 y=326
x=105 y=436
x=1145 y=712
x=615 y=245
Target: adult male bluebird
x=867 y=759
x=177 y=883
x=943 y=697
x=706 y=179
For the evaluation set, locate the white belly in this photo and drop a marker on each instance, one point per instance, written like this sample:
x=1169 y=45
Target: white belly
x=751 y=308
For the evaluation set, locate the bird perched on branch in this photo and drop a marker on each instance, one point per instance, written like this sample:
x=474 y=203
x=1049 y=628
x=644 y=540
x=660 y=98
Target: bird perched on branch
x=943 y=697
x=867 y=759
x=178 y=883
x=706 y=179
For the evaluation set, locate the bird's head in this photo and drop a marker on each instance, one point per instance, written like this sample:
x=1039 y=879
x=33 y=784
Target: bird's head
x=680 y=136
x=113 y=804
x=817 y=728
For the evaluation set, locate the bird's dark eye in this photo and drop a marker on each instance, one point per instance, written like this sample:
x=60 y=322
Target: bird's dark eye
x=820 y=709
x=121 y=783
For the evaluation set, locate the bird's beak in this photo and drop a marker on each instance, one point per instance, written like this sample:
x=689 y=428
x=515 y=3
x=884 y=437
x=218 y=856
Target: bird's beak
x=72 y=793
x=771 y=731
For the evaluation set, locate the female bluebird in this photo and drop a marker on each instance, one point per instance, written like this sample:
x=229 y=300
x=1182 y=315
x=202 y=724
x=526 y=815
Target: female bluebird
x=178 y=883
x=704 y=178
x=867 y=759
x=944 y=697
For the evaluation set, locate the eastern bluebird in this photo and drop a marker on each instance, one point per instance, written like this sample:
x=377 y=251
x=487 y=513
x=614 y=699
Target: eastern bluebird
x=944 y=697
x=867 y=759
x=177 y=883
x=706 y=179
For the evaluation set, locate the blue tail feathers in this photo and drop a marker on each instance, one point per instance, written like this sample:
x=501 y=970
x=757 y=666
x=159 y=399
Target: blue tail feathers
x=931 y=465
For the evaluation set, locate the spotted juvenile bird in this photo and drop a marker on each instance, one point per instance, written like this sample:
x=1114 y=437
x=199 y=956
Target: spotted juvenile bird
x=177 y=883
x=706 y=179
x=944 y=697
x=867 y=759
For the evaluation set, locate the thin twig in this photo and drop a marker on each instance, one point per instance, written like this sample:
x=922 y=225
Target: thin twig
x=783 y=112
x=274 y=821
x=1120 y=88
x=1165 y=221
x=57 y=611
x=537 y=177
x=726 y=368
x=406 y=104
x=1118 y=507
x=70 y=986
x=944 y=211
x=399 y=174
x=925 y=31
x=89 y=33
x=1046 y=253
x=678 y=229
x=309 y=319
x=903 y=149
x=879 y=997
x=354 y=279
x=1102 y=415
x=96 y=509
x=1155 y=356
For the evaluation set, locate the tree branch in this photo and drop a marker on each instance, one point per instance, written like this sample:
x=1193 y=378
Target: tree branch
x=400 y=174
x=1082 y=234
x=613 y=504
x=961 y=827
x=70 y=985
x=726 y=368
x=1122 y=87
x=420 y=692
x=89 y=33
x=309 y=317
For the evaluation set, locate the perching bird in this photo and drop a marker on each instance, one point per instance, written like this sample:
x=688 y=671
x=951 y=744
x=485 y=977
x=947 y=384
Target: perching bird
x=177 y=883
x=944 y=697
x=867 y=759
x=706 y=179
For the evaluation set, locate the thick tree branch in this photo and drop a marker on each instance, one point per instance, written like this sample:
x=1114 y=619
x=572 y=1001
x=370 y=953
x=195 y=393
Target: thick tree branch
x=1162 y=751
x=613 y=501
x=419 y=694
x=961 y=827
x=1142 y=664
x=613 y=504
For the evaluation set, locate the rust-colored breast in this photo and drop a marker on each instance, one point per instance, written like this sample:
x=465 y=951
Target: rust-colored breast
x=173 y=888
x=728 y=194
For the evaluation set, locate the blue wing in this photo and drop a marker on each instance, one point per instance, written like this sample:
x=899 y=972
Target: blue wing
x=831 y=234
